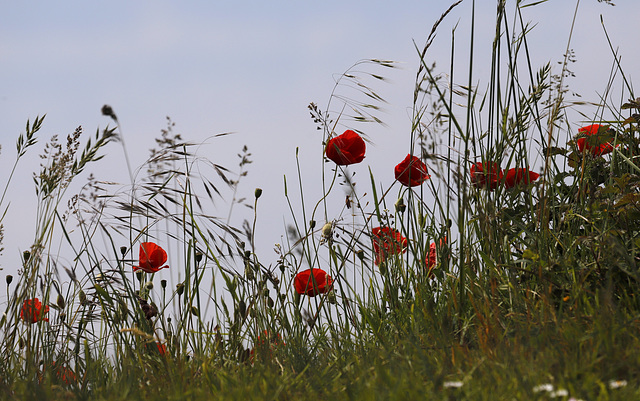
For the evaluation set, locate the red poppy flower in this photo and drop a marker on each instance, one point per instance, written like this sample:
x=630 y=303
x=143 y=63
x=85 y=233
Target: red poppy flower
x=319 y=283
x=431 y=258
x=485 y=175
x=162 y=349
x=517 y=176
x=346 y=149
x=387 y=241
x=411 y=171
x=152 y=257
x=32 y=311
x=595 y=149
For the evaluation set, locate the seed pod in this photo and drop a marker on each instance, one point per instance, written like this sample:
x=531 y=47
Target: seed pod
x=149 y=285
x=180 y=288
x=258 y=192
x=123 y=250
x=9 y=279
x=312 y=224
x=26 y=255
x=163 y=284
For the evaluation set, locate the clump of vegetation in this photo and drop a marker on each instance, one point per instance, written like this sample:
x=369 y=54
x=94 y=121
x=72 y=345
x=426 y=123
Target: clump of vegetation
x=501 y=263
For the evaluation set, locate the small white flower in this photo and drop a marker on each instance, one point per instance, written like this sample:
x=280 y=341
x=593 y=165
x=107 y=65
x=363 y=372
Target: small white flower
x=559 y=393
x=454 y=384
x=548 y=387
x=614 y=384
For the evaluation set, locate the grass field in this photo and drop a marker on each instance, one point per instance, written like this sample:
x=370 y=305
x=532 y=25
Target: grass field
x=501 y=264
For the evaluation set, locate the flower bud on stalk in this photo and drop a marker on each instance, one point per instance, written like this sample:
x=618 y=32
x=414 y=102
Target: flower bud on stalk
x=180 y=289
x=60 y=301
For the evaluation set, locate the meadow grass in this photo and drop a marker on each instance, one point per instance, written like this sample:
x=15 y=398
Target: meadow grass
x=509 y=273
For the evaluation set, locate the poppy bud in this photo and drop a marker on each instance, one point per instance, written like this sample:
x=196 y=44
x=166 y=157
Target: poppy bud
x=180 y=288
x=194 y=311
x=400 y=206
x=26 y=255
x=421 y=220
x=327 y=230
x=312 y=224
x=360 y=254
x=270 y=302
x=163 y=284
x=21 y=343
x=331 y=297
x=258 y=192
x=149 y=285
x=9 y=279
x=248 y=272
x=108 y=111
x=82 y=297
x=232 y=285
x=60 y=301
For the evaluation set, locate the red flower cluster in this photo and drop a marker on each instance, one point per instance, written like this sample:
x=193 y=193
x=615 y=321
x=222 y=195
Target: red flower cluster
x=595 y=149
x=268 y=342
x=346 y=149
x=387 y=241
x=411 y=172
x=312 y=282
x=487 y=175
x=64 y=373
x=32 y=311
x=152 y=257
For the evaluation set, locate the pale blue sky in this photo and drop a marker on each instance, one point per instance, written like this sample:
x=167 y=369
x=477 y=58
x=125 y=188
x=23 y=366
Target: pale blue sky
x=250 y=67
